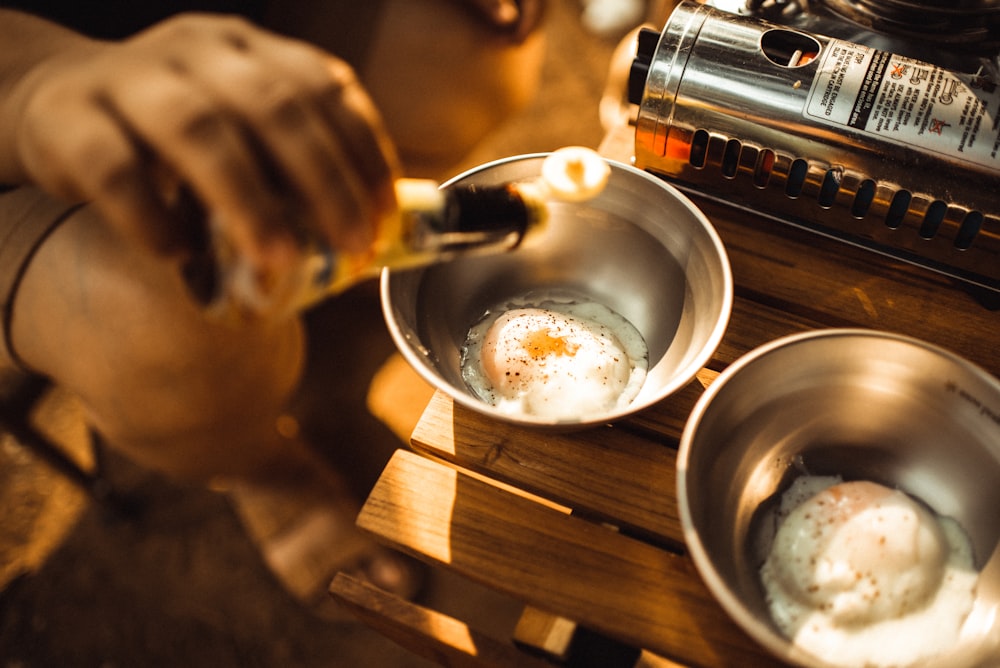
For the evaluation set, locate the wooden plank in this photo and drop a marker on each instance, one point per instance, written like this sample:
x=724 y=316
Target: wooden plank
x=427 y=633
x=608 y=582
x=624 y=474
x=664 y=422
x=650 y=660
x=609 y=473
x=753 y=324
x=834 y=284
x=551 y=635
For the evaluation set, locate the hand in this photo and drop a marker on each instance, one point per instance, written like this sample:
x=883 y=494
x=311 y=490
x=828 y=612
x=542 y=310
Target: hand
x=520 y=17
x=271 y=135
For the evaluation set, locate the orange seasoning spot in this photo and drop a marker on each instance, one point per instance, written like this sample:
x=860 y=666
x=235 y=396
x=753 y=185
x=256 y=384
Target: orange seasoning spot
x=541 y=343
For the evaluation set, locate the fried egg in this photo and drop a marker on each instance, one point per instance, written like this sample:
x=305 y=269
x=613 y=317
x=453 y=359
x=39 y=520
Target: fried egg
x=864 y=575
x=559 y=360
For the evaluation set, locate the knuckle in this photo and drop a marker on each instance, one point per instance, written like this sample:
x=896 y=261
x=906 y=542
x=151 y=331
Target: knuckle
x=90 y=167
x=178 y=27
x=284 y=107
x=201 y=125
x=112 y=175
x=186 y=24
x=341 y=74
x=340 y=80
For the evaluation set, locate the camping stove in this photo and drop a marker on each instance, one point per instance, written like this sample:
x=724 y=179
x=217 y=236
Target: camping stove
x=876 y=122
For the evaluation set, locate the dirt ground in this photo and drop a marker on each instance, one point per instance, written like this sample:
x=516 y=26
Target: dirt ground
x=174 y=581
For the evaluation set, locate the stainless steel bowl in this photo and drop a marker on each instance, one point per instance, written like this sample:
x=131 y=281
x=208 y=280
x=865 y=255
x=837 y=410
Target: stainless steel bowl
x=640 y=247
x=856 y=403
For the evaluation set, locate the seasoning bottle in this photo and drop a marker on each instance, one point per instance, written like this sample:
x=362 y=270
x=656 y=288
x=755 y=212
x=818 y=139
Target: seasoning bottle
x=431 y=224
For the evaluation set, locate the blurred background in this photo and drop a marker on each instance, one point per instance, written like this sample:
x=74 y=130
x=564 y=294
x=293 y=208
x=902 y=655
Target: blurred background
x=177 y=582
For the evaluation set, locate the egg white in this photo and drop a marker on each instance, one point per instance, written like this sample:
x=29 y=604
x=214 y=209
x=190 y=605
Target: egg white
x=863 y=575
x=554 y=358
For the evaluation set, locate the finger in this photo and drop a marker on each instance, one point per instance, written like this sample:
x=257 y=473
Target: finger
x=207 y=150
x=503 y=13
x=309 y=155
x=518 y=18
x=352 y=111
x=315 y=163
x=532 y=14
x=345 y=109
x=102 y=163
x=340 y=203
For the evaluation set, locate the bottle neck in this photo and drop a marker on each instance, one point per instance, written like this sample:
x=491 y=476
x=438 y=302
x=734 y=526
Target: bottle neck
x=473 y=218
x=430 y=225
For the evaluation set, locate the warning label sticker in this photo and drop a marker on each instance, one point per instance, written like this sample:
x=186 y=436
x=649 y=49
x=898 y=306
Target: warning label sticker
x=907 y=101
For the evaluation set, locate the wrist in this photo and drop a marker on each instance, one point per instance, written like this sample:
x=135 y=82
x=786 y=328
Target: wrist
x=32 y=48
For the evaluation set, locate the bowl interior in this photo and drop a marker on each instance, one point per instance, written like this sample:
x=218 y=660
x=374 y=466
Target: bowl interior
x=862 y=405
x=640 y=248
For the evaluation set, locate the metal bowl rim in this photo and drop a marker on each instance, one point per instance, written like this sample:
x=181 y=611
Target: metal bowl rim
x=763 y=633
x=680 y=380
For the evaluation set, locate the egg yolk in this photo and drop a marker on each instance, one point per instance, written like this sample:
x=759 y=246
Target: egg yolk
x=541 y=343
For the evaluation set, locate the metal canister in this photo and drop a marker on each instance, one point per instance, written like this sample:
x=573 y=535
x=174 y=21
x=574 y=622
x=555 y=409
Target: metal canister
x=874 y=148
x=969 y=26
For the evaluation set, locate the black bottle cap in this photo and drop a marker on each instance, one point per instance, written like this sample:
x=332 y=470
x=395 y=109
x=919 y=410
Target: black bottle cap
x=476 y=208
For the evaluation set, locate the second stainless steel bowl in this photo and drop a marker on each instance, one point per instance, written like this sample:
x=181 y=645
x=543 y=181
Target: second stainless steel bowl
x=859 y=404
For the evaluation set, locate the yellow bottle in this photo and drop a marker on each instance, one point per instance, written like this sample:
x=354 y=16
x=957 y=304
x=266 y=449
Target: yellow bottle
x=432 y=224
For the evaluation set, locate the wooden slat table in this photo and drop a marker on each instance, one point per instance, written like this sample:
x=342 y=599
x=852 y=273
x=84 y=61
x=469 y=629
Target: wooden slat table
x=584 y=526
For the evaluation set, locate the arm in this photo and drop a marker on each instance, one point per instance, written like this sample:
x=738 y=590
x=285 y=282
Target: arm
x=27 y=42
x=269 y=133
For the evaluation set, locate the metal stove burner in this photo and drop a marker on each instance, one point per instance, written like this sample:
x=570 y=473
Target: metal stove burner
x=814 y=120
x=959 y=35
x=968 y=25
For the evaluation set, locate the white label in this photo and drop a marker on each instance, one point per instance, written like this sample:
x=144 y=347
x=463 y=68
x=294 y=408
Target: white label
x=908 y=101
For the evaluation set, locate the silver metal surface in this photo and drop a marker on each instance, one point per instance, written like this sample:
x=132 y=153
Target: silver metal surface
x=963 y=25
x=731 y=112
x=640 y=247
x=856 y=403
